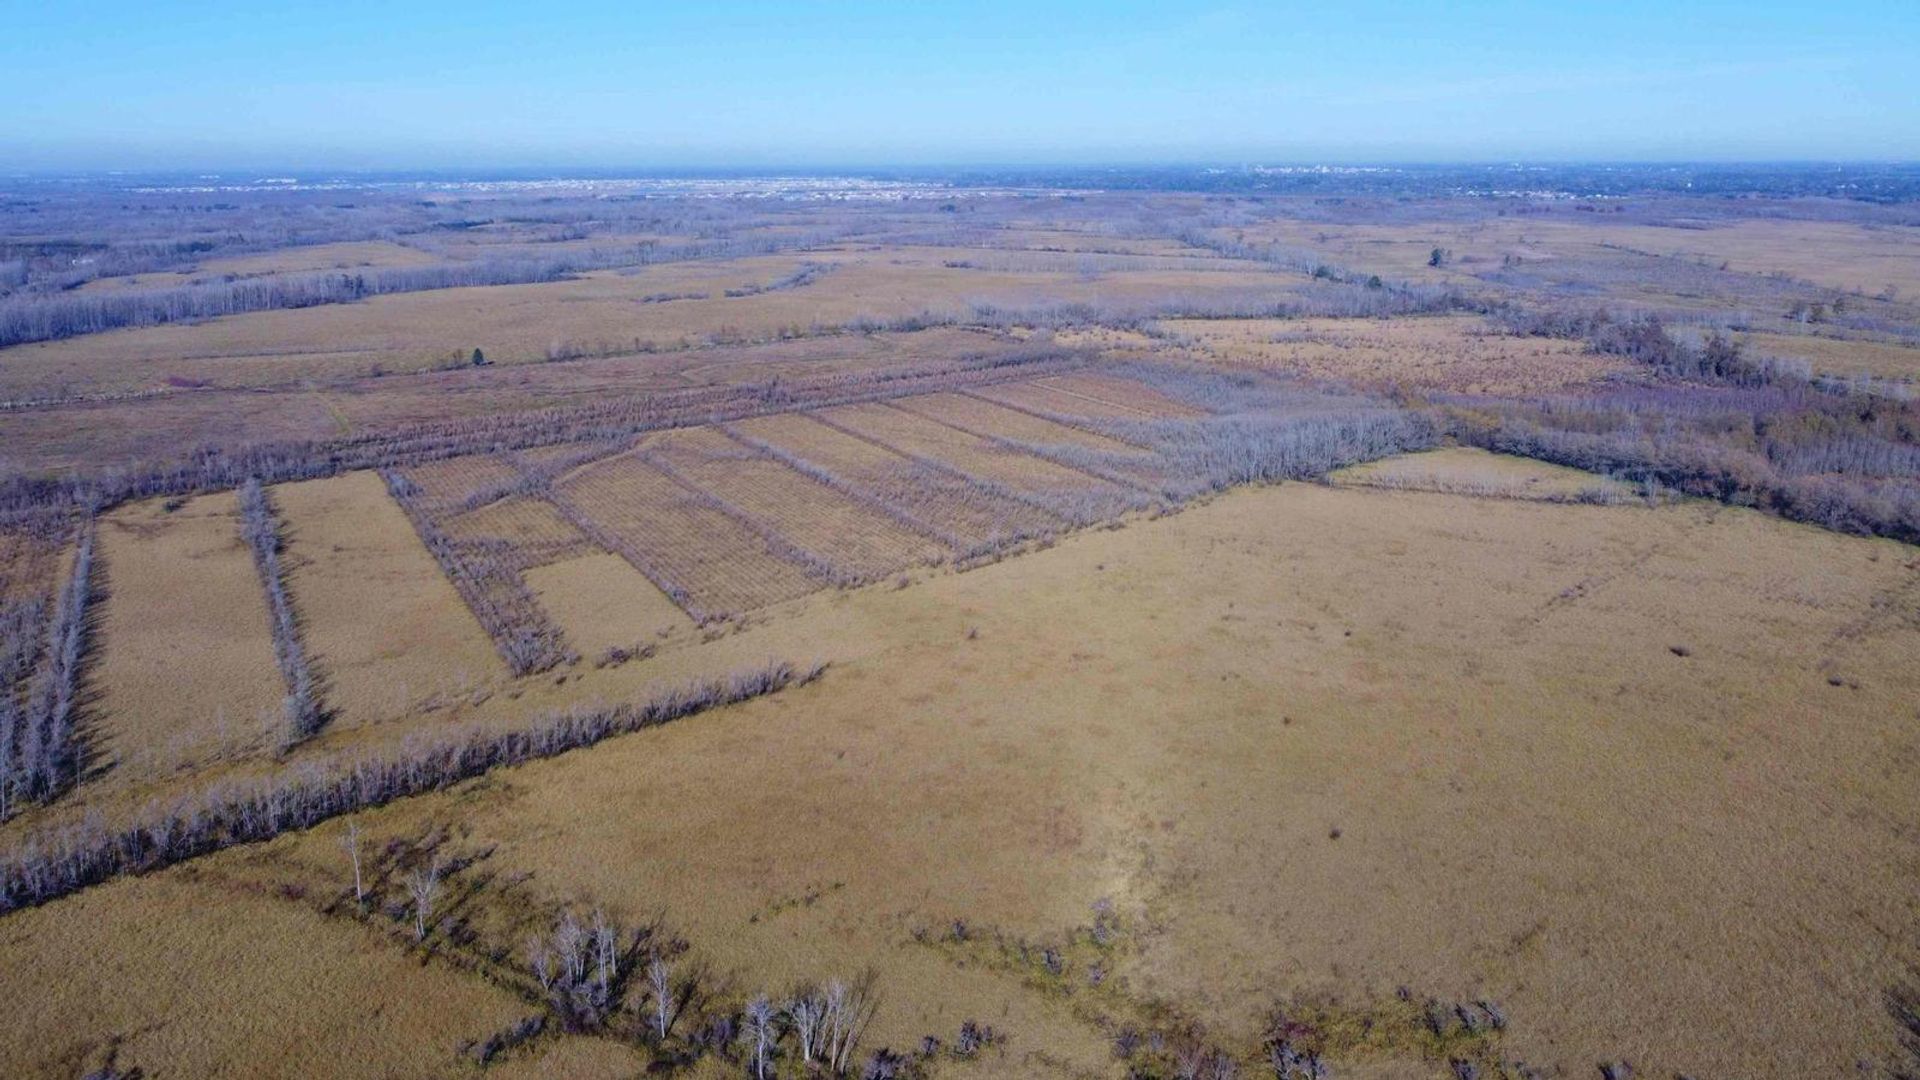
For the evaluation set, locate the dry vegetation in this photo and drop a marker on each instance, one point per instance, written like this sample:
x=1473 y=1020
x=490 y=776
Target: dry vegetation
x=1394 y=678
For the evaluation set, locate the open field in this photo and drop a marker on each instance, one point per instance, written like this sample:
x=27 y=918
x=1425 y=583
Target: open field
x=187 y=669
x=1558 y=731
x=1143 y=633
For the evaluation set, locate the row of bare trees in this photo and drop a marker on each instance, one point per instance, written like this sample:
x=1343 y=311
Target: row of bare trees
x=492 y=586
x=66 y=860
x=260 y=526
x=28 y=318
x=218 y=468
x=41 y=667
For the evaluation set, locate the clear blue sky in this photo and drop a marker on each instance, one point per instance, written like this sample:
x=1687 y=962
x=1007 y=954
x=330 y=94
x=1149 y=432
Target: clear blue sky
x=116 y=84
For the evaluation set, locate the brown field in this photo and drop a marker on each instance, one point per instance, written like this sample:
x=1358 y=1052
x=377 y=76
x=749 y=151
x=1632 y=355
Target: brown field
x=386 y=628
x=517 y=324
x=1189 y=678
x=864 y=543
x=1898 y=363
x=907 y=433
x=602 y=602
x=1462 y=470
x=536 y=532
x=312 y=258
x=80 y=435
x=1532 y=791
x=182 y=973
x=985 y=416
x=187 y=672
x=718 y=564
x=964 y=513
x=1459 y=353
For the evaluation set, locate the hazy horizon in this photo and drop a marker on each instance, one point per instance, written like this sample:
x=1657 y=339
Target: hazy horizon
x=168 y=86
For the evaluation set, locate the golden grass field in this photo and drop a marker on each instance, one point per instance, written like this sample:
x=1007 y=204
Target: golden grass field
x=1449 y=725
x=1312 y=743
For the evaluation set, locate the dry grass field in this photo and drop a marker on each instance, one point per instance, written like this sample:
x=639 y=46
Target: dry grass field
x=1571 y=738
x=387 y=628
x=1464 y=470
x=1116 y=634
x=186 y=670
x=1450 y=353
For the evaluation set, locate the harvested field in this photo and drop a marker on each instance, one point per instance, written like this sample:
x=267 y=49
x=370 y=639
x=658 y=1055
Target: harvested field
x=1194 y=664
x=601 y=313
x=603 y=603
x=382 y=622
x=1124 y=394
x=1832 y=356
x=462 y=483
x=186 y=672
x=710 y=563
x=986 y=417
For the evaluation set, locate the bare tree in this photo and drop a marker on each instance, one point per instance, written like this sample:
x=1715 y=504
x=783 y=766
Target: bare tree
x=606 y=953
x=540 y=959
x=350 y=843
x=807 y=1010
x=848 y=1009
x=763 y=1030
x=660 y=981
x=424 y=887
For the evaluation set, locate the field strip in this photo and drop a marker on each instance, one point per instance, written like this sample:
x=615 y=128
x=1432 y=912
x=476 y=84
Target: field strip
x=1038 y=450
x=380 y=616
x=989 y=486
x=187 y=669
x=833 y=482
x=1076 y=423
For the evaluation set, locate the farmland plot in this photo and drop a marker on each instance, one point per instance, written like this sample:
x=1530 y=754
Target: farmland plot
x=861 y=542
x=386 y=624
x=964 y=515
x=187 y=668
x=707 y=561
x=1059 y=441
x=1124 y=394
x=1069 y=494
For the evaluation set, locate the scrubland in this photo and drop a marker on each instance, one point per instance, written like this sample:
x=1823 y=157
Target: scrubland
x=974 y=634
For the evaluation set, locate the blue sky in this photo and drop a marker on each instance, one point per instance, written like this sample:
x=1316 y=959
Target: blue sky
x=113 y=84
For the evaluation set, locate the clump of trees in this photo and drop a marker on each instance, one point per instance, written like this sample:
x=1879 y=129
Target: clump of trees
x=260 y=526
x=49 y=866
x=1721 y=425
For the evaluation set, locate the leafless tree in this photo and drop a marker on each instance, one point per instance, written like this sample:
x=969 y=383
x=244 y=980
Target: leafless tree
x=424 y=887
x=763 y=1032
x=660 y=982
x=350 y=842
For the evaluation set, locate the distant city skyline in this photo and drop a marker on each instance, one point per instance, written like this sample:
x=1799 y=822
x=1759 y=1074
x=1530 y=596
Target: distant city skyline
x=118 y=85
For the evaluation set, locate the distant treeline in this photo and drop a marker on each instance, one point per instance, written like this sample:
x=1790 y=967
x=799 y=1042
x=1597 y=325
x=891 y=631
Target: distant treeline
x=30 y=318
